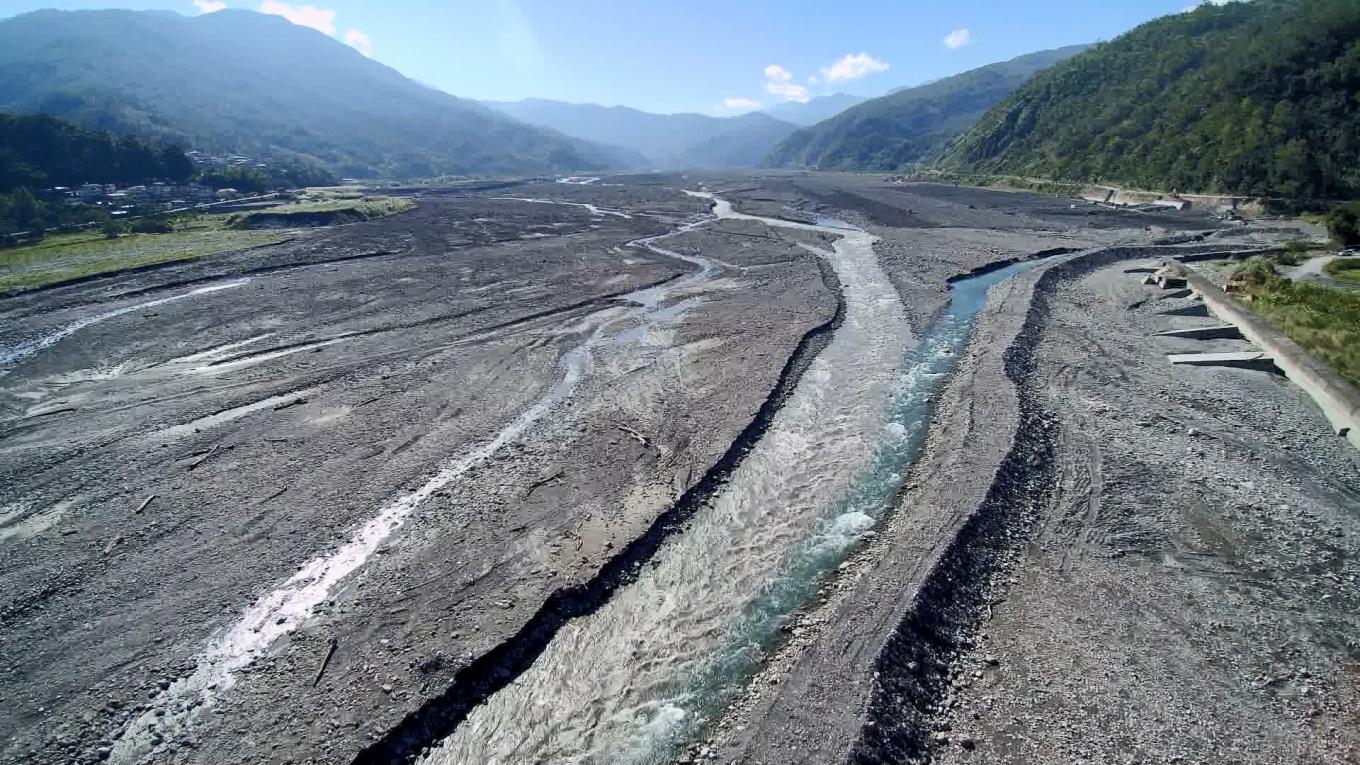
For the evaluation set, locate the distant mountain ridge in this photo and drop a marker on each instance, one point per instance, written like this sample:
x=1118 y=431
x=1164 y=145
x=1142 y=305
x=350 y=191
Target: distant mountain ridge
x=815 y=110
x=668 y=141
x=909 y=125
x=243 y=81
x=1250 y=97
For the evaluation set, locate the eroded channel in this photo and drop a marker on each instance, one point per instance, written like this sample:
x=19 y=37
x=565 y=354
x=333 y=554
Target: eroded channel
x=627 y=682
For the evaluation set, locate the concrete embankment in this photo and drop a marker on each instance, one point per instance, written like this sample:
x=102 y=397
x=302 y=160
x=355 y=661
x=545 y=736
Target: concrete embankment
x=1123 y=197
x=1338 y=399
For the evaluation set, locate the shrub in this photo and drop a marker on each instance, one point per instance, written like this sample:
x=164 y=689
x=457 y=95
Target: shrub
x=151 y=226
x=1344 y=225
x=1255 y=271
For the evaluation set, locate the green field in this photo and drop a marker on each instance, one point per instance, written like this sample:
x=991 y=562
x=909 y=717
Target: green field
x=1324 y=320
x=1345 y=269
x=63 y=257
x=362 y=208
x=71 y=256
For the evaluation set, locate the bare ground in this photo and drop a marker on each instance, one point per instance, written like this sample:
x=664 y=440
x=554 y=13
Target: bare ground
x=1098 y=557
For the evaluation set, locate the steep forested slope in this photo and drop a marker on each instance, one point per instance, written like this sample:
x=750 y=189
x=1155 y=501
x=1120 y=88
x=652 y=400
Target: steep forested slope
x=1255 y=97
x=911 y=124
x=247 y=82
x=38 y=151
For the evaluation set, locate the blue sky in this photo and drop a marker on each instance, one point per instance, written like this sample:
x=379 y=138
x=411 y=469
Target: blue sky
x=711 y=56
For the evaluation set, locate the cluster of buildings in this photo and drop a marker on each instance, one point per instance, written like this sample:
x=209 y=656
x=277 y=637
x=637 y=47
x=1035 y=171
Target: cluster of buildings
x=152 y=197
x=157 y=197
x=223 y=161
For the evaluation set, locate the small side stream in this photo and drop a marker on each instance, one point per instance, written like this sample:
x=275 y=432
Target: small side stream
x=292 y=603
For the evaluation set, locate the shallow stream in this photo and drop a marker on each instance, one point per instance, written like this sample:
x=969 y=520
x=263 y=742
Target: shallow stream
x=636 y=680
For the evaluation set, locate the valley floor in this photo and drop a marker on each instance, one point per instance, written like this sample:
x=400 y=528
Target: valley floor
x=338 y=499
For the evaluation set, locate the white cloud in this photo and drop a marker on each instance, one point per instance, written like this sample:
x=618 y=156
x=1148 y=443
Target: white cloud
x=778 y=83
x=359 y=41
x=320 y=19
x=812 y=79
x=209 y=6
x=740 y=104
x=853 y=67
x=957 y=39
x=777 y=73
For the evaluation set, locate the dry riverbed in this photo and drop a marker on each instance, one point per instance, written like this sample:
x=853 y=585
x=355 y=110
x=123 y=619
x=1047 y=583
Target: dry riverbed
x=319 y=500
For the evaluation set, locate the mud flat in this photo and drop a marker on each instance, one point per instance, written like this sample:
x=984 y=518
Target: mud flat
x=344 y=498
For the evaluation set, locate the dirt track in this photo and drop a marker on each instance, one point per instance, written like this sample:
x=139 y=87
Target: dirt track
x=274 y=401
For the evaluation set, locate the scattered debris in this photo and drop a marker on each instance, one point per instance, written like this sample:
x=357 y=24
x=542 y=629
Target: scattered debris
x=325 y=662
x=636 y=436
x=203 y=458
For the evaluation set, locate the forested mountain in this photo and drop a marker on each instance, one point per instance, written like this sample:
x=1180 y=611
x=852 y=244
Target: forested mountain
x=1257 y=97
x=815 y=110
x=665 y=140
x=911 y=124
x=39 y=151
x=238 y=81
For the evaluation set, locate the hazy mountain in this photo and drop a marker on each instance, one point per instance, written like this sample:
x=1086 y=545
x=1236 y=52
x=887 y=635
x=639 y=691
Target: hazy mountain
x=911 y=124
x=816 y=110
x=247 y=82
x=666 y=140
x=1256 y=98
x=747 y=142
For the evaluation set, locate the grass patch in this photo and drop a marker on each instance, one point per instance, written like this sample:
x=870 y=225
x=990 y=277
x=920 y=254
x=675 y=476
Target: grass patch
x=70 y=256
x=318 y=211
x=1345 y=269
x=1324 y=320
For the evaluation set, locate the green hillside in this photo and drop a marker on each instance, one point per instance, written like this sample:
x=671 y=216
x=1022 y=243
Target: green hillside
x=1253 y=97
x=37 y=151
x=908 y=125
x=238 y=81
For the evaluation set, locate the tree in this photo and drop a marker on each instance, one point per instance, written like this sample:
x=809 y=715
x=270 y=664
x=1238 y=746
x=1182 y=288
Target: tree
x=25 y=210
x=1344 y=225
x=36 y=151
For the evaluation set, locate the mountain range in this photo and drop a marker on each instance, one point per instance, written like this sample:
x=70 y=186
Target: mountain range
x=909 y=125
x=815 y=110
x=1249 y=97
x=238 y=81
x=667 y=141
x=1246 y=97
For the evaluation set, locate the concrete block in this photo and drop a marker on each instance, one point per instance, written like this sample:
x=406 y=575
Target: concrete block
x=1220 y=332
x=1199 y=309
x=1238 y=360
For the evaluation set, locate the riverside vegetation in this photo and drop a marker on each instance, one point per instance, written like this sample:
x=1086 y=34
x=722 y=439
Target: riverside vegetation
x=1324 y=320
